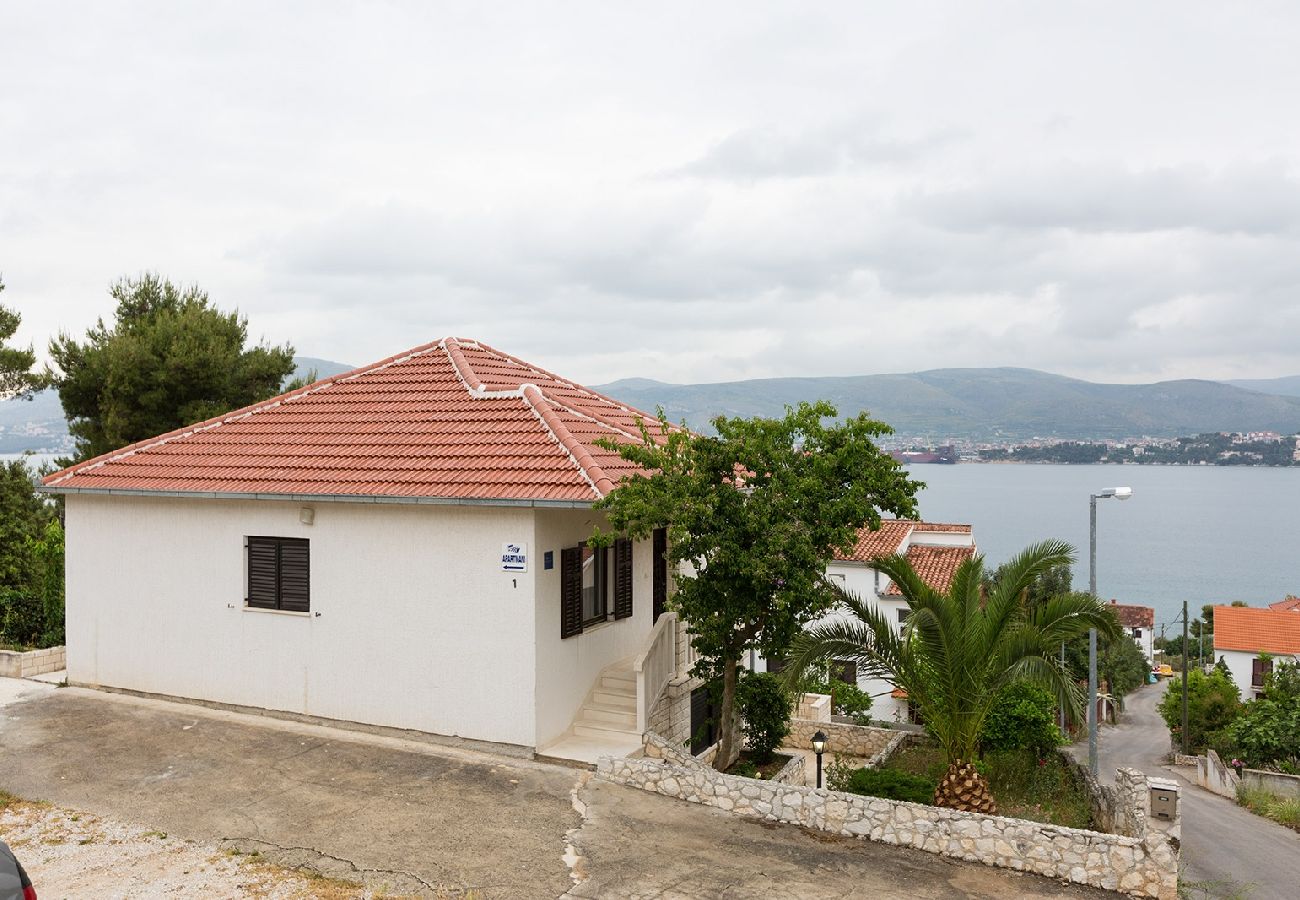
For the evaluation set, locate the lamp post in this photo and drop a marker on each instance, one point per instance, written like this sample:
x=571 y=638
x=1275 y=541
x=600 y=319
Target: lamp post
x=1119 y=493
x=819 y=747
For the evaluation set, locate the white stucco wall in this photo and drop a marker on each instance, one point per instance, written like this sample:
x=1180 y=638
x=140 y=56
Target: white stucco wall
x=1241 y=664
x=567 y=668
x=413 y=624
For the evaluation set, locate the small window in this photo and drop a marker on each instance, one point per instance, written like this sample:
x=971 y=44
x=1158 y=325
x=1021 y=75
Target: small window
x=1259 y=670
x=594 y=581
x=279 y=573
x=596 y=577
x=845 y=670
x=1137 y=634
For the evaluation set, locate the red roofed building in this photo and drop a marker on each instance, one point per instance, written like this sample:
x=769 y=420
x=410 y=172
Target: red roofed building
x=399 y=545
x=1243 y=633
x=934 y=549
x=1140 y=623
x=1290 y=604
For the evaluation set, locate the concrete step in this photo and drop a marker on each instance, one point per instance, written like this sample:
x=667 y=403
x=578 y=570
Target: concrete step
x=572 y=749
x=600 y=715
x=621 y=699
x=618 y=681
x=598 y=730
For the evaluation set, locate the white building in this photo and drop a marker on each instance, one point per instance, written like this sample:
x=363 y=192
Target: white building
x=401 y=546
x=1139 y=623
x=935 y=550
x=1243 y=633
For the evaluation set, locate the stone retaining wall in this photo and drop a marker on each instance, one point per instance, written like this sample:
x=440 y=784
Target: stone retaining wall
x=25 y=664
x=1274 y=782
x=1144 y=866
x=850 y=740
x=813 y=707
x=655 y=747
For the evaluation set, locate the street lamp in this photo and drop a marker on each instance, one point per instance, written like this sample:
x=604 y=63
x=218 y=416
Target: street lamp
x=819 y=747
x=1119 y=493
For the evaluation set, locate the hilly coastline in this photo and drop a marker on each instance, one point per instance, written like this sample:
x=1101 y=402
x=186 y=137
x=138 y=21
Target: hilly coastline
x=985 y=404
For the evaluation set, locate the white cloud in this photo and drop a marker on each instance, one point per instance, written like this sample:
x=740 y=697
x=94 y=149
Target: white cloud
x=701 y=193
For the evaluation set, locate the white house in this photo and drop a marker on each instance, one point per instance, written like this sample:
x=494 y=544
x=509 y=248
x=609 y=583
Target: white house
x=935 y=550
x=1242 y=633
x=1139 y=622
x=401 y=545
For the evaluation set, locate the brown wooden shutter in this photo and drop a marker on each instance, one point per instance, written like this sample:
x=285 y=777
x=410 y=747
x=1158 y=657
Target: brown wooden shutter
x=570 y=591
x=263 y=571
x=622 y=578
x=660 y=571
x=295 y=575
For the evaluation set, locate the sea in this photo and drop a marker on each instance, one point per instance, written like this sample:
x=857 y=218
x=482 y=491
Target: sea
x=1204 y=534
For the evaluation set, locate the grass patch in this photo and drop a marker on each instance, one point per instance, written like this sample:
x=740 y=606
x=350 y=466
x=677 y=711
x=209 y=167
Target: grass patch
x=1024 y=786
x=1282 y=810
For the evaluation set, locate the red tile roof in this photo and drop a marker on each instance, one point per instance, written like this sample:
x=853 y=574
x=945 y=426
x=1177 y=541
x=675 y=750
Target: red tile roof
x=892 y=536
x=1290 y=604
x=935 y=565
x=454 y=419
x=1256 y=630
x=1134 y=616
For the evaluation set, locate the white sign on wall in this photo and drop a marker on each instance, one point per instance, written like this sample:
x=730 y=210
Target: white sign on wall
x=514 y=557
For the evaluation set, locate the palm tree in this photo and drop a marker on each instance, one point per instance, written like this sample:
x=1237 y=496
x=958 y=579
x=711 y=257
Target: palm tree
x=960 y=648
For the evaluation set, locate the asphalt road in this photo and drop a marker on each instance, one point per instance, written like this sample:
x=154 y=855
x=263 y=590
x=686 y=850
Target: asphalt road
x=1227 y=851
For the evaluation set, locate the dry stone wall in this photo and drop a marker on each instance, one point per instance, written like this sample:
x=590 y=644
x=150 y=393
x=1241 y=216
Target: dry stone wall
x=25 y=664
x=1145 y=866
x=849 y=740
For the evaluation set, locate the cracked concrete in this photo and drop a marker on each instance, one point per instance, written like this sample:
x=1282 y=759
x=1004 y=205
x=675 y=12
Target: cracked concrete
x=409 y=817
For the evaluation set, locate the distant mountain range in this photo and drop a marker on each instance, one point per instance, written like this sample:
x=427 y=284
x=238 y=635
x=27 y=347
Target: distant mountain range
x=975 y=404
x=990 y=404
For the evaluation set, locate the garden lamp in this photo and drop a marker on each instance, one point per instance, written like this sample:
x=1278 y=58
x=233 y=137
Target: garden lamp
x=819 y=747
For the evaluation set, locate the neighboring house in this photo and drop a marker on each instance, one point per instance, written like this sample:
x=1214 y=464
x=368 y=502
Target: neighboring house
x=935 y=550
x=1139 y=622
x=1290 y=604
x=401 y=545
x=1243 y=633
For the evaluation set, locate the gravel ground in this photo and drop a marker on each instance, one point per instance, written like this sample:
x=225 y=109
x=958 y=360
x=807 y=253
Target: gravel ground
x=70 y=854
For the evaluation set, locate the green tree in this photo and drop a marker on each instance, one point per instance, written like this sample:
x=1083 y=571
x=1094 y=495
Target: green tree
x=169 y=359
x=755 y=513
x=23 y=517
x=1268 y=730
x=1120 y=664
x=1213 y=704
x=16 y=377
x=960 y=650
x=765 y=707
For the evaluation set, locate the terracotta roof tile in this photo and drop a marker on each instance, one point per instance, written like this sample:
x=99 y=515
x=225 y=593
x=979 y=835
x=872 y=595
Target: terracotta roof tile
x=1256 y=630
x=1134 y=616
x=453 y=419
x=935 y=565
x=891 y=537
x=1290 y=604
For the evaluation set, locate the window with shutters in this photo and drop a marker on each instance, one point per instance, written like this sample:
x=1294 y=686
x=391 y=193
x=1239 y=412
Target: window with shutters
x=595 y=582
x=279 y=573
x=1259 y=670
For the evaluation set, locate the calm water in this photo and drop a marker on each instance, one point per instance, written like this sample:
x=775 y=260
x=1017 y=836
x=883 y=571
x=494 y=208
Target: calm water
x=1202 y=534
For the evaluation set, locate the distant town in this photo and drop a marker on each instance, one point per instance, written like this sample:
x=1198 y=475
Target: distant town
x=1223 y=448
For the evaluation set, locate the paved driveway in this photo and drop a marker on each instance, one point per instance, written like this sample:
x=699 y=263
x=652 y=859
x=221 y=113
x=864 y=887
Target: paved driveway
x=416 y=818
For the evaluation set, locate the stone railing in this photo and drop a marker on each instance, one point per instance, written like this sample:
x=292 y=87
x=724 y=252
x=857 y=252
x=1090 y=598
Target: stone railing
x=655 y=667
x=849 y=740
x=26 y=663
x=813 y=707
x=1144 y=866
x=655 y=747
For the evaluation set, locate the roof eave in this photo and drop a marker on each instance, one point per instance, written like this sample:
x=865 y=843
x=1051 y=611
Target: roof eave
x=325 y=498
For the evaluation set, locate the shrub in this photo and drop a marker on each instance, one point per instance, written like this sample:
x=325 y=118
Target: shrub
x=1212 y=705
x=1022 y=718
x=848 y=699
x=22 y=617
x=765 y=708
x=888 y=783
x=1268 y=730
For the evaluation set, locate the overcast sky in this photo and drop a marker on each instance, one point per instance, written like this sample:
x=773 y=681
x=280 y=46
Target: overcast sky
x=699 y=193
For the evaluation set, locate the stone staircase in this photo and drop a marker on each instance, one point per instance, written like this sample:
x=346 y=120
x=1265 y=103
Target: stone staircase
x=606 y=723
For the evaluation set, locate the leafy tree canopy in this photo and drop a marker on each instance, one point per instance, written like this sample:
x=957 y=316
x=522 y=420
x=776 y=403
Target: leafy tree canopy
x=755 y=513
x=16 y=376
x=23 y=518
x=1213 y=703
x=168 y=359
